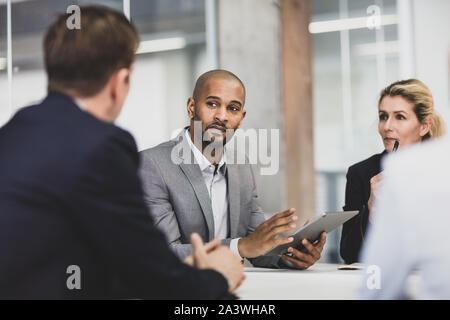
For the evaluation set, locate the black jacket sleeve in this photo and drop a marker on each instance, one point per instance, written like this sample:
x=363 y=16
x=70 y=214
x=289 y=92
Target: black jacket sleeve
x=111 y=210
x=354 y=229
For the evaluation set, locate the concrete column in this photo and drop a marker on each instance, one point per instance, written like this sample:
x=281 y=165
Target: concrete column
x=249 y=46
x=267 y=44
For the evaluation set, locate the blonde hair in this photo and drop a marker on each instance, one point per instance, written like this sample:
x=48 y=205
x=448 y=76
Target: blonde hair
x=416 y=92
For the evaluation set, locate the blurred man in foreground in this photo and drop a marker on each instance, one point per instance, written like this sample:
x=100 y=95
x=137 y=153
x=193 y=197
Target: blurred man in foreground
x=410 y=235
x=73 y=222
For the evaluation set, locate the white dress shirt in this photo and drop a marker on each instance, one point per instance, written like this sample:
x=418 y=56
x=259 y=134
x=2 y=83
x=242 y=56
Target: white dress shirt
x=410 y=230
x=216 y=183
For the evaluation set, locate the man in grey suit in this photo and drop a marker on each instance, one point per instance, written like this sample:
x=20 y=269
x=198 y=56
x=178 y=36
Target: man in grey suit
x=193 y=184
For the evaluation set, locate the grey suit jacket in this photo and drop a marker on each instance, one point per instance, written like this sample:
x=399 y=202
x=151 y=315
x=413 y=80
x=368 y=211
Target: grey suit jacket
x=179 y=202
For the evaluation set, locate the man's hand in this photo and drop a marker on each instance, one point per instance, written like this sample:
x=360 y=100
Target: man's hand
x=263 y=238
x=303 y=260
x=219 y=258
x=210 y=246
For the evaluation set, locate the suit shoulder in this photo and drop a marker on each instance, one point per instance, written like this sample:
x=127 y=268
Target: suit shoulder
x=107 y=143
x=119 y=140
x=428 y=157
x=161 y=150
x=123 y=137
x=370 y=163
x=25 y=113
x=114 y=153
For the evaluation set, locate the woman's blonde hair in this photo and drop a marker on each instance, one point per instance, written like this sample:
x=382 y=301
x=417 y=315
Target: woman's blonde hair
x=416 y=92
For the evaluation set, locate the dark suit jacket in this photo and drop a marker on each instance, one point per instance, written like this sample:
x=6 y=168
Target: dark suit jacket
x=70 y=195
x=357 y=193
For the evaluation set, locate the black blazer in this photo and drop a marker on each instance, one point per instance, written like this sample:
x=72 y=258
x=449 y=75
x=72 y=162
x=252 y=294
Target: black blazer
x=357 y=193
x=70 y=195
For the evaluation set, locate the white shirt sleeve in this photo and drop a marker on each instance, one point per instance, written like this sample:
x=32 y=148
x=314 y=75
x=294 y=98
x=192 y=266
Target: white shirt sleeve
x=385 y=253
x=234 y=247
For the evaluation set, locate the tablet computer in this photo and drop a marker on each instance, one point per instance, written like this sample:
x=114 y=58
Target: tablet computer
x=312 y=231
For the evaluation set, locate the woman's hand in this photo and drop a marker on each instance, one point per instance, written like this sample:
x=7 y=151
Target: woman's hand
x=374 y=186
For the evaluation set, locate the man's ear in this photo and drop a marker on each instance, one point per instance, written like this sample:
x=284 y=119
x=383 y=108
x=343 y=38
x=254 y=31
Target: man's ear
x=425 y=126
x=120 y=83
x=191 y=108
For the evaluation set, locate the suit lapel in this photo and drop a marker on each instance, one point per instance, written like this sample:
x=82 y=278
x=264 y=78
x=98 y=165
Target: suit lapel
x=192 y=171
x=233 y=198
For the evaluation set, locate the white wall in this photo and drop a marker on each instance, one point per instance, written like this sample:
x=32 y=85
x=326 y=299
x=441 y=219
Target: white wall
x=28 y=87
x=156 y=104
x=144 y=113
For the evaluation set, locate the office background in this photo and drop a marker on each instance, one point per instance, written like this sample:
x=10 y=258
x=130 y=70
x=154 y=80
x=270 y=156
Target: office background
x=349 y=62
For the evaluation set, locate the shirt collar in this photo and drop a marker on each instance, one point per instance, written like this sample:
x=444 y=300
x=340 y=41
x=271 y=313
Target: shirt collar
x=80 y=104
x=202 y=161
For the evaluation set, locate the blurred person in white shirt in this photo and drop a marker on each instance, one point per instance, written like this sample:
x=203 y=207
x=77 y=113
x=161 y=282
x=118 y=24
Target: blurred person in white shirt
x=410 y=231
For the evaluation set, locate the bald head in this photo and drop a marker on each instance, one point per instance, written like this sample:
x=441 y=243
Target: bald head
x=218 y=104
x=203 y=80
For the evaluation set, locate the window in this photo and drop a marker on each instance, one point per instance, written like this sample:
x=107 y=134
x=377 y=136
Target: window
x=172 y=55
x=351 y=64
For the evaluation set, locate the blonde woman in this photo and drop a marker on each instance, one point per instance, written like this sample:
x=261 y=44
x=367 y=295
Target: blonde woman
x=406 y=115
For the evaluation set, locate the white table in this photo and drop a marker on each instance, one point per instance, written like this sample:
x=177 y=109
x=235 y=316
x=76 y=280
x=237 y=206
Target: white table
x=321 y=281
